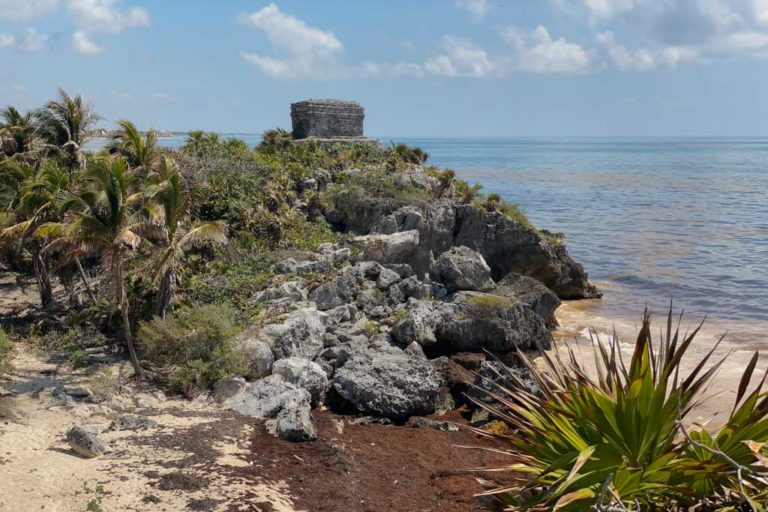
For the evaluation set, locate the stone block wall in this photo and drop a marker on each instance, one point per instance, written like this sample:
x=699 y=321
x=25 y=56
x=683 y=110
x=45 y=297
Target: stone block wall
x=327 y=119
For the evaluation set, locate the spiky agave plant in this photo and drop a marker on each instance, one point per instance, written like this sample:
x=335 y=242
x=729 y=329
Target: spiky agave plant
x=613 y=438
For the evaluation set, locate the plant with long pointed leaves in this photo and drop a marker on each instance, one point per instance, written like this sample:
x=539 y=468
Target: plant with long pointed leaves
x=20 y=127
x=613 y=439
x=107 y=219
x=170 y=193
x=65 y=126
x=140 y=150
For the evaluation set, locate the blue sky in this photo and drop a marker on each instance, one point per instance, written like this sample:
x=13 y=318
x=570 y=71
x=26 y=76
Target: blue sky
x=421 y=68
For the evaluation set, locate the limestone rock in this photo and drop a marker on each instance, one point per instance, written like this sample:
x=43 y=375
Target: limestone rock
x=461 y=268
x=132 y=422
x=303 y=373
x=228 y=387
x=291 y=291
x=529 y=291
x=84 y=443
x=294 y=423
x=395 y=248
x=258 y=355
x=389 y=384
x=300 y=335
x=267 y=397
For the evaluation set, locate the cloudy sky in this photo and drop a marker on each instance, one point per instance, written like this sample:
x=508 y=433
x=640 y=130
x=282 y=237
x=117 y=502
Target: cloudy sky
x=421 y=68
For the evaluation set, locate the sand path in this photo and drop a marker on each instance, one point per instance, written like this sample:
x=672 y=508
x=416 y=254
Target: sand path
x=187 y=463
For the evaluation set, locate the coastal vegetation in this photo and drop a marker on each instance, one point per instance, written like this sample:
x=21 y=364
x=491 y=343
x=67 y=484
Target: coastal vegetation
x=618 y=437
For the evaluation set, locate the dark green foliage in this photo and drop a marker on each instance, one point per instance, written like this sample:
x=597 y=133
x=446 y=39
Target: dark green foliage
x=193 y=347
x=6 y=352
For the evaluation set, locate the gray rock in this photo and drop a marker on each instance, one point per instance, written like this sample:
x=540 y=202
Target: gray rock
x=527 y=290
x=84 y=443
x=228 y=387
x=132 y=422
x=418 y=324
x=415 y=350
x=403 y=269
x=393 y=248
x=291 y=291
x=258 y=355
x=78 y=391
x=267 y=397
x=304 y=374
x=473 y=322
x=300 y=335
x=461 y=268
x=479 y=321
x=387 y=278
x=339 y=291
x=291 y=266
x=422 y=422
x=389 y=384
x=294 y=423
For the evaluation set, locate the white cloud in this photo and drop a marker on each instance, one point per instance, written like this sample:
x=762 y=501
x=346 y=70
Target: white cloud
x=33 y=41
x=19 y=10
x=84 y=45
x=477 y=8
x=7 y=40
x=121 y=95
x=163 y=97
x=461 y=58
x=760 y=11
x=307 y=52
x=105 y=15
x=290 y=34
x=536 y=52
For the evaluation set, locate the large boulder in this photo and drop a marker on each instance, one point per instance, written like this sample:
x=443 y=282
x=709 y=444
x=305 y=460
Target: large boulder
x=388 y=383
x=461 y=268
x=294 y=423
x=489 y=322
x=527 y=290
x=300 y=335
x=265 y=398
x=394 y=248
x=303 y=373
x=509 y=246
x=472 y=322
x=257 y=352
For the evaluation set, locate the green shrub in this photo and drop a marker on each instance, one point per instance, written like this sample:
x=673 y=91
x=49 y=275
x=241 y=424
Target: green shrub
x=193 y=347
x=72 y=344
x=616 y=440
x=6 y=352
x=488 y=306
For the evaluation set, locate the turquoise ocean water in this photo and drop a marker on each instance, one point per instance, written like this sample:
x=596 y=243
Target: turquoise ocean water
x=650 y=218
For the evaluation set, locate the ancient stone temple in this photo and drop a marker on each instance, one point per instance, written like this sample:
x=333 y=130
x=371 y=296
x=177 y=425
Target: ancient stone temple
x=327 y=119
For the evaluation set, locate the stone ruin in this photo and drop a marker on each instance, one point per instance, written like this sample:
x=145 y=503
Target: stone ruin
x=327 y=119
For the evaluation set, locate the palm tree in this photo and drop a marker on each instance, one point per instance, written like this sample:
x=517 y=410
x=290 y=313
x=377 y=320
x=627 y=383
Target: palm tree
x=140 y=151
x=107 y=221
x=20 y=127
x=171 y=195
x=65 y=126
x=36 y=202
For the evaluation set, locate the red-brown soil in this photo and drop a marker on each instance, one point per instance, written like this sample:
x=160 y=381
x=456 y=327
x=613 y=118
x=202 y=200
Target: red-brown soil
x=373 y=468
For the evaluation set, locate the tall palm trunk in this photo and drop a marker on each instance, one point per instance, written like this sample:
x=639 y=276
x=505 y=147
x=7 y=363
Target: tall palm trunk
x=43 y=279
x=166 y=293
x=122 y=301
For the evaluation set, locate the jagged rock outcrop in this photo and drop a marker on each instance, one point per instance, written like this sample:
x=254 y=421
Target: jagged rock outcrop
x=505 y=244
x=300 y=335
x=461 y=268
x=529 y=291
x=388 y=383
x=303 y=373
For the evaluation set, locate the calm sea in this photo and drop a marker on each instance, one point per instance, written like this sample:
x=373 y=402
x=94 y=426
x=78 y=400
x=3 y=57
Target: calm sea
x=651 y=219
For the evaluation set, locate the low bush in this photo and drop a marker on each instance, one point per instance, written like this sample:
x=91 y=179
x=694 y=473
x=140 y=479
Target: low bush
x=6 y=352
x=193 y=347
x=615 y=438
